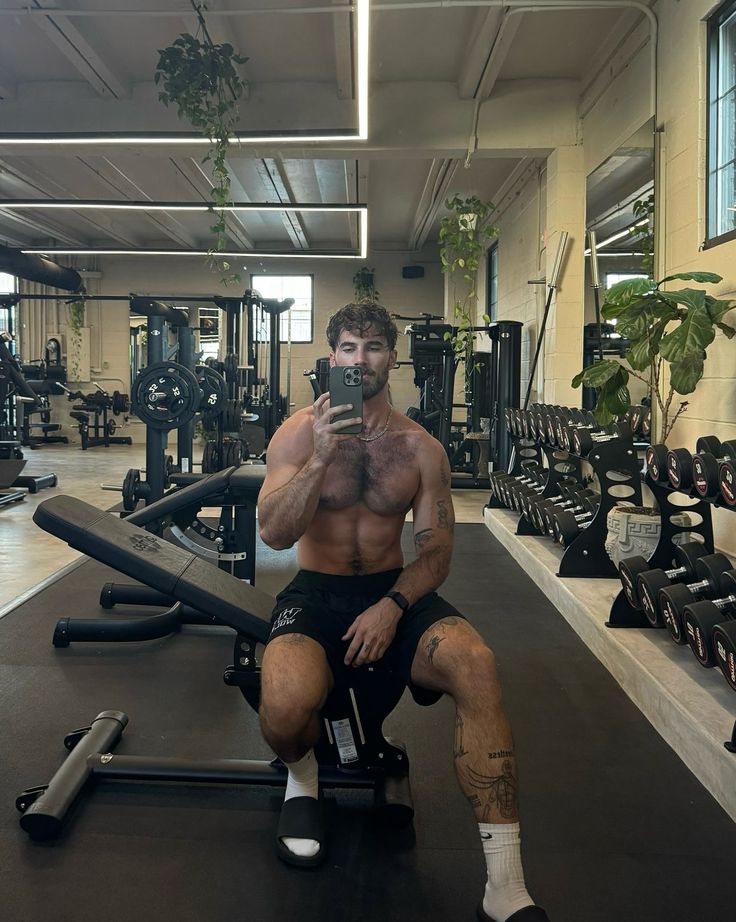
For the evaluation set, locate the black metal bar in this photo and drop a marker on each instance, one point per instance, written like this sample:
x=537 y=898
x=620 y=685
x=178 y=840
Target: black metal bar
x=103 y=630
x=44 y=817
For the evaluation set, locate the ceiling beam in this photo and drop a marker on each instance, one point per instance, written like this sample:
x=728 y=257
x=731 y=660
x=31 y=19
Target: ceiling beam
x=497 y=54
x=196 y=176
x=77 y=50
x=219 y=29
x=342 y=27
x=484 y=29
x=8 y=89
x=118 y=181
x=434 y=193
x=46 y=186
x=277 y=186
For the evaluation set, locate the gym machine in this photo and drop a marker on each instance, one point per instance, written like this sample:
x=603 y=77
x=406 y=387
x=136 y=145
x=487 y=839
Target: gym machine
x=264 y=327
x=99 y=404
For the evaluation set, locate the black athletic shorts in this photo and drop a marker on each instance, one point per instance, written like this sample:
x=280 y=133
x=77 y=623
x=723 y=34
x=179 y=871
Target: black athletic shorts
x=323 y=607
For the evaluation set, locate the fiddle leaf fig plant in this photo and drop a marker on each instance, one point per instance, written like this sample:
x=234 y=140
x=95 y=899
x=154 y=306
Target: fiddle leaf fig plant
x=201 y=79
x=661 y=326
x=464 y=236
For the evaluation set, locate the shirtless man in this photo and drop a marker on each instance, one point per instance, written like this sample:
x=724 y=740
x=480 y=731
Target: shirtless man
x=344 y=498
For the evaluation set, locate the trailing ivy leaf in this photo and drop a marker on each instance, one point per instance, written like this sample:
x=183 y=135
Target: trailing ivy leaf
x=686 y=372
x=691 y=337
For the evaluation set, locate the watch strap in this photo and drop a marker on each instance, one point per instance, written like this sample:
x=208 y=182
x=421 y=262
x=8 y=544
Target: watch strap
x=397 y=597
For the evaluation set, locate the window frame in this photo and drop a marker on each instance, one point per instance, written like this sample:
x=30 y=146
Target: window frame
x=713 y=167
x=283 y=275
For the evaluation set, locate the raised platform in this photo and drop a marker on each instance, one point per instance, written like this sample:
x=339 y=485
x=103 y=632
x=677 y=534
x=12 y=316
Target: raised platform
x=692 y=708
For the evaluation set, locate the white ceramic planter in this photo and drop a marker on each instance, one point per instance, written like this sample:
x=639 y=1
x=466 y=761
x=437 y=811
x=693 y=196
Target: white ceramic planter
x=634 y=531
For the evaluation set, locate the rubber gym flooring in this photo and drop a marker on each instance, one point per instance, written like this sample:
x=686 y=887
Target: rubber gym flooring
x=614 y=826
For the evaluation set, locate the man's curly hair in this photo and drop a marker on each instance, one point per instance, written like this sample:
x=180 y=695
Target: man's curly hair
x=359 y=318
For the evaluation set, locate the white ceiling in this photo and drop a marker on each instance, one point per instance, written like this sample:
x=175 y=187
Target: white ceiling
x=61 y=72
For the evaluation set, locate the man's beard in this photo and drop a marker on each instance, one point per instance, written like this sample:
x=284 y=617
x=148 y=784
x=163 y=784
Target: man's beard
x=374 y=383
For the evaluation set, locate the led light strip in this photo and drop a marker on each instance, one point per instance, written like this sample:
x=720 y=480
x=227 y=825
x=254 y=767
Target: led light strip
x=362 y=212
x=107 y=205
x=362 y=33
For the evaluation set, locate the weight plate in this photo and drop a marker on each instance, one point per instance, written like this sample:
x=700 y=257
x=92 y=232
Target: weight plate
x=111 y=426
x=120 y=403
x=131 y=486
x=166 y=395
x=214 y=389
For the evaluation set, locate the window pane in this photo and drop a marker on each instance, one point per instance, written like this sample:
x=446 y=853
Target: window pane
x=727 y=55
x=726 y=198
x=7 y=283
x=298 y=287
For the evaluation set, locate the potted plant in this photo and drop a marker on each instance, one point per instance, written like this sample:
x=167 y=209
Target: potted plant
x=201 y=79
x=464 y=236
x=364 y=284
x=662 y=327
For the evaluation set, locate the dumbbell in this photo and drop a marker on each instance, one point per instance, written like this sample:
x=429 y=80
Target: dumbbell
x=708 y=571
x=656 y=461
x=567 y=525
x=680 y=461
x=685 y=556
x=585 y=419
x=701 y=618
x=706 y=469
x=502 y=484
x=540 y=510
x=724 y=644
x=727 y=482
x=514 y=492
x=563 y=421
x=583 y=441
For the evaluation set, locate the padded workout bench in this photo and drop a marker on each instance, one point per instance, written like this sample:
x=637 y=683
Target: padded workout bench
x=352 y=752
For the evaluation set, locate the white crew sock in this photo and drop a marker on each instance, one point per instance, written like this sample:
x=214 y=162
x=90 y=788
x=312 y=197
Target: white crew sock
x=505 y=891
x=303 y=782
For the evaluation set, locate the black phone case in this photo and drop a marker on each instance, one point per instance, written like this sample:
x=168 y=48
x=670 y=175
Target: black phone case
x=346 y=386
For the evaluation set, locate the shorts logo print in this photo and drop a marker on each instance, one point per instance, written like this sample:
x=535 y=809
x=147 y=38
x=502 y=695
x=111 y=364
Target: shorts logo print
x=285 y=618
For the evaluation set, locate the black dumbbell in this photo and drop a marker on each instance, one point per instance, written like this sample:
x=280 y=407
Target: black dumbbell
x=724 y=644
x=583 y=440
x=567 y=525
x=564 y=421
x=727 y=482
x=680 y=461
x=708 y=570
x=701 y=618
x=706 y=469
x=514 y=492
x=656 y=461
x=634 y=416
x=505 y=489
x=539 y=506
x=685 y=557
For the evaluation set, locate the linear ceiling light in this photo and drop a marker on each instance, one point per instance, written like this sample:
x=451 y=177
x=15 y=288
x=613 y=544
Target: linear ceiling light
x=113 y=205
x=361 y=211
x=362 y=33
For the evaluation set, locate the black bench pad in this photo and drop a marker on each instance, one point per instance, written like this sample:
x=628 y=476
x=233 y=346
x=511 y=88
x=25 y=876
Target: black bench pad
x=157 y=563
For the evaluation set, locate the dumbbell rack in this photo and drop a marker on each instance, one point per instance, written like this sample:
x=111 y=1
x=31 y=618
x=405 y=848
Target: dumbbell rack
x=586 y=555
x=524 y=449
x=622 y=614
x=562 y=466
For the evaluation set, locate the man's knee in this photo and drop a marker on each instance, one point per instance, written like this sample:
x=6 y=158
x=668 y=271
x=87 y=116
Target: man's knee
x=457 y=659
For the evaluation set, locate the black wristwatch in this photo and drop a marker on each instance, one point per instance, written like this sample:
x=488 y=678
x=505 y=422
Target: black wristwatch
x=400 y=600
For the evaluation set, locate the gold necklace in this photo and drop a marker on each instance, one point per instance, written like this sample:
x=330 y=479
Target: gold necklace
x=372 y=438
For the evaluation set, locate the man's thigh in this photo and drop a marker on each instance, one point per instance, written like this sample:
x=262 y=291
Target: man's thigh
x=295 y=671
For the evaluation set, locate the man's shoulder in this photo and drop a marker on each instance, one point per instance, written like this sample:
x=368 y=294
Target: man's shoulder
x=417 y=433
x=297 y=429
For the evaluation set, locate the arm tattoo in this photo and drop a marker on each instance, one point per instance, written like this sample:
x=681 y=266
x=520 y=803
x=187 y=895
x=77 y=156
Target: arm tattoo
x=444 y=477
x=443 y=515
x=421 y=538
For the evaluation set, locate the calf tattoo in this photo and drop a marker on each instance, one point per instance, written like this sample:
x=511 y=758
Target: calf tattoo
x=459 y=750
x=501 y=791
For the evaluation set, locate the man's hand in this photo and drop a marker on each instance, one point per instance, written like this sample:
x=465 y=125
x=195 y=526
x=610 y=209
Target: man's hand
x=371 y=633
x=326 y=433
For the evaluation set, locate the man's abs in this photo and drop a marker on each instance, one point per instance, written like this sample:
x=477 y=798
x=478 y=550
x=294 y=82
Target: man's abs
x=351 y=542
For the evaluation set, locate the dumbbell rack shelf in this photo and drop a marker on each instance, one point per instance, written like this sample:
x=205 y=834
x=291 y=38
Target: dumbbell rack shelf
x=615 y=464
x=622 y=613
x=524 y=449
x=561 y=465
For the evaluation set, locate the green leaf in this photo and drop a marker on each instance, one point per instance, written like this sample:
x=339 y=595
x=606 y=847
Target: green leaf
x=725 y=328
x=626 y=291
x=718 y=309
x=692 y=277
x=686 y=372
x=694 y=333
x=692 y=298
x=597 y=374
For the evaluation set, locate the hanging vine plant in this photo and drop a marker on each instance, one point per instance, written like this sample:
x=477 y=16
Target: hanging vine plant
x=75 y=310
x=201 y=79
x=464 y=237
x=364 y=284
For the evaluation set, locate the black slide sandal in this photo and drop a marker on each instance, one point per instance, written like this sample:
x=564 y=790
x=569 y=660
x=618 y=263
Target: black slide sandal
x=301 y=818
x=527 y=914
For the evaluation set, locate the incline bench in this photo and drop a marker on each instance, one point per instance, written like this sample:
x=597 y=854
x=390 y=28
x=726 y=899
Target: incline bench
x=352 y=752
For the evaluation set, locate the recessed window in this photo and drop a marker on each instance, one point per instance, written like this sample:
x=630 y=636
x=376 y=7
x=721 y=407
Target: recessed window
x=721 y=217
x=300 y=315
x=613 y=278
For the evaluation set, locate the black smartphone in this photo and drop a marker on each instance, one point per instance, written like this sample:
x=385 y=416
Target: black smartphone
x=346 y=386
